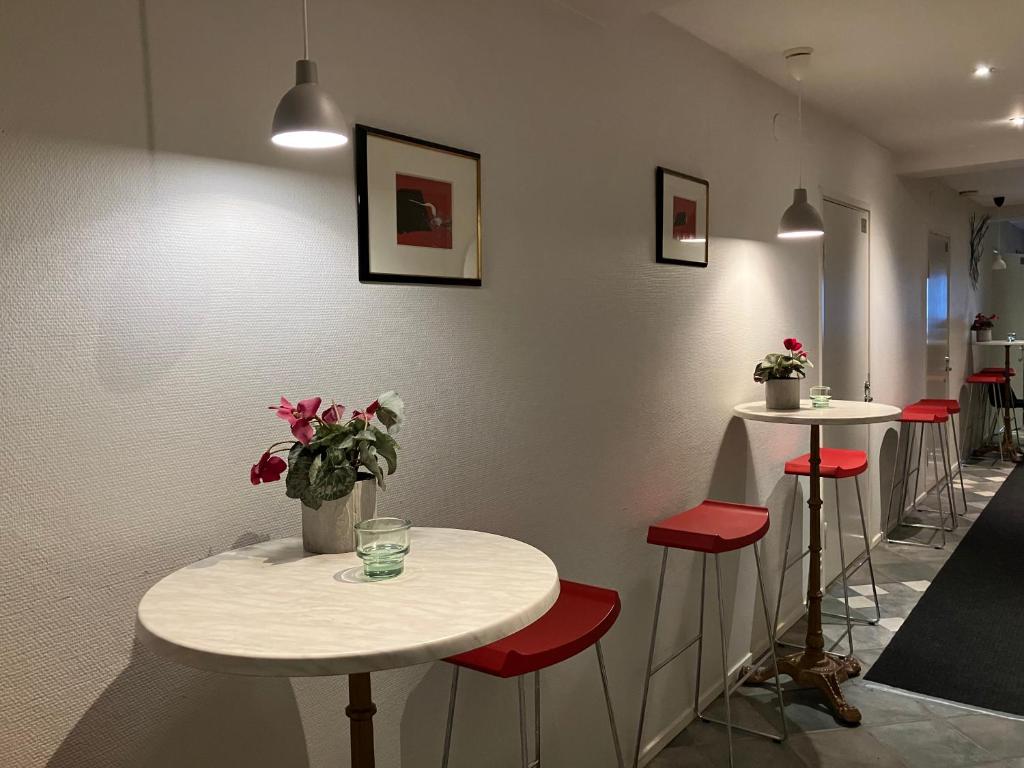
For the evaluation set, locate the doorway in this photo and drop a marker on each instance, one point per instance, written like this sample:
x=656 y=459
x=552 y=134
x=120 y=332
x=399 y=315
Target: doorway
x=937 y=292
x=845 y=362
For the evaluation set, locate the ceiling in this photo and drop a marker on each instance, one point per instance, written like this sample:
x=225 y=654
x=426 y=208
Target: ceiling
x=898 y=70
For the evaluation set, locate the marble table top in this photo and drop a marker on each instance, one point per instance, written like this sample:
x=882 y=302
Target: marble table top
x=999 y=343
x=838 y=412
x=273 y=609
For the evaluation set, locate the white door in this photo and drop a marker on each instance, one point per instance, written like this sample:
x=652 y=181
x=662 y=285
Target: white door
x=844 y=363
x=937 y=384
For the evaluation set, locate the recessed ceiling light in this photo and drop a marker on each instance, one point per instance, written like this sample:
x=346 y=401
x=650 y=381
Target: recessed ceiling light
x=982 y=70
x=1018 y=120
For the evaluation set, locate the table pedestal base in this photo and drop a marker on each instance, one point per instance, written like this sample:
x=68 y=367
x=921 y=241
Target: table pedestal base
x=360 y=712
x=826 y=673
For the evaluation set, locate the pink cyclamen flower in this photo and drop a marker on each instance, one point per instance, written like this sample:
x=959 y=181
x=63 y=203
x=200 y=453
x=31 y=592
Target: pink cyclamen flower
x=333 y=414
x=299 y=417
x=793 y=345
x=267 y=469
x=367 y=415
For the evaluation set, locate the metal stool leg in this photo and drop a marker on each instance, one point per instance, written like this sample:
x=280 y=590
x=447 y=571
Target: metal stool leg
x=522 y=722
x=536 y=717
x=947 y=477
x=867 y=551
x=608 y=703
x=842 y=566
x=700 y=633
x=771 y=644
x=785 y=555
x=953 y=418
x=451 y=716
x=650 y=660
x=725 y=659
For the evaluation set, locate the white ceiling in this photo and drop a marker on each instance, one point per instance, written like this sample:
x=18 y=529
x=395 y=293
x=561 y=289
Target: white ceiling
x=898 y=70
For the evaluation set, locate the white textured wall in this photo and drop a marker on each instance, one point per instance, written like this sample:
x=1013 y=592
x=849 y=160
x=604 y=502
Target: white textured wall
x=154 y=302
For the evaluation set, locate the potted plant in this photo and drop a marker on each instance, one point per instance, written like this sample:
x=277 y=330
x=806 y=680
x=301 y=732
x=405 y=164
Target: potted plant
x=982 y=326
x=334 y=465
x=781 y=374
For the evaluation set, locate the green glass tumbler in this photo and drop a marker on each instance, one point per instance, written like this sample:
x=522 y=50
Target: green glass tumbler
x=382 y=544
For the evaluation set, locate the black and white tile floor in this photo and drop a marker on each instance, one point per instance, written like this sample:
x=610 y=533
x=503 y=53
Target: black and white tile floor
x=897 y=730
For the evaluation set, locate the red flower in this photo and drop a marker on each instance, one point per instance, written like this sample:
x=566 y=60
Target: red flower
x=333 y=414
x=366 y=415
x=792 y=345
x=299 y=417
x=267 y=469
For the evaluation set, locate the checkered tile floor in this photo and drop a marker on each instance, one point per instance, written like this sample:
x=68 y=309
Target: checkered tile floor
x=897 y=730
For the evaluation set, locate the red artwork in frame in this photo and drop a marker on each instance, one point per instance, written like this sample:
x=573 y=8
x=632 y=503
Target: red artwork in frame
x=423 y=210
x=684 y=218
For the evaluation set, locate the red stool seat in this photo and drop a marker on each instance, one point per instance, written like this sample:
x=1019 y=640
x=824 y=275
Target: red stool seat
x=580 y=617
x=711 y=527
x=951 y=406
x=835 y=462
x=924 y=414
x=999 y=370
x=986 y=378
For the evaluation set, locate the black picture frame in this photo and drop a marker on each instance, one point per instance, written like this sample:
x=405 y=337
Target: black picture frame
x=363 y=205
x=662 y=226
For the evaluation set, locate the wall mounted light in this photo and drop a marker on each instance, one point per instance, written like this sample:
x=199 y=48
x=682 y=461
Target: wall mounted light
x=998 y=263
x=801 y=219
x=307 y=117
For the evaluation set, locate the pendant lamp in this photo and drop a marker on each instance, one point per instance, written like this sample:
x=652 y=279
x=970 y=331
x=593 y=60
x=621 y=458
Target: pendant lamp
x=801 y=219
x=307 y=117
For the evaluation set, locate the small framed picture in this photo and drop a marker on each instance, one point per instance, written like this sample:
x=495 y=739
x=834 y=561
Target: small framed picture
x=419 y=210
x=682 y=206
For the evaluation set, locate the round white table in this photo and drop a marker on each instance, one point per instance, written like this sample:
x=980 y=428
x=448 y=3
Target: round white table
x=274 y=609
x=813 y=666
x=1008 y=447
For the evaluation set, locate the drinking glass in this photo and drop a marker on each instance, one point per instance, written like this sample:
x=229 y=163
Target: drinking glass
x=820 y=396
x=382 y=543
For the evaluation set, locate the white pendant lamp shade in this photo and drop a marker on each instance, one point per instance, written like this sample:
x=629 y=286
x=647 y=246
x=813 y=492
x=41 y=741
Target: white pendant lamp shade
x=998 y=263
x=307 y=117
x=801 y=219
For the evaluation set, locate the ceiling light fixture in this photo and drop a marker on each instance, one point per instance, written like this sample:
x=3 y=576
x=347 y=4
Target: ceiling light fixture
x=1018 y=120
x=307 y=117
x=983 y=70
x=801 y=220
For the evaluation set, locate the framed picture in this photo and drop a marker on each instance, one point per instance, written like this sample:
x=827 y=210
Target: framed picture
x=419 y=210
x=682 y=206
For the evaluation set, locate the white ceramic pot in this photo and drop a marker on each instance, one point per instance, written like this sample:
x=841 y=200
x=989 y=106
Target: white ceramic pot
x=782 y=394
x=331 y=529
x=983 y=334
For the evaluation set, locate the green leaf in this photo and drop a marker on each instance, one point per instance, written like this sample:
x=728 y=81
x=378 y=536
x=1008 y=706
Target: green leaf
x=333 y=481
x=388 y=449
x=296 y=482
x=369 y=460
x=329 y=435
x=311 y=500
x=366 y=434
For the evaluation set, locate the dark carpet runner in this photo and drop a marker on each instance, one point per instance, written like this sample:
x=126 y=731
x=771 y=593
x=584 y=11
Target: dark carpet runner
x=964 y=640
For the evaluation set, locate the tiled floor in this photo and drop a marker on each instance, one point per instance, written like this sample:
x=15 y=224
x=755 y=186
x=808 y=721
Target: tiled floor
x=897 y=730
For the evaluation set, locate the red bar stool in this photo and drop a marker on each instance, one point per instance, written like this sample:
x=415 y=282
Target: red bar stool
x=952 y=407
x=914 y=417
x=838 y=464
x=580 y=617
x=989 y=387
x=712 y=527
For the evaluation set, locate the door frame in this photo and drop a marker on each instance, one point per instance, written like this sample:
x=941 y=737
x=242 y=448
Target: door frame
x=860 y=207
x=949 y=297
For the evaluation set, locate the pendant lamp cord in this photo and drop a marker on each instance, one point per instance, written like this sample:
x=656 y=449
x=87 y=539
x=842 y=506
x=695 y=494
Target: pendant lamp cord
x=800 y=131
x=305 y=30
